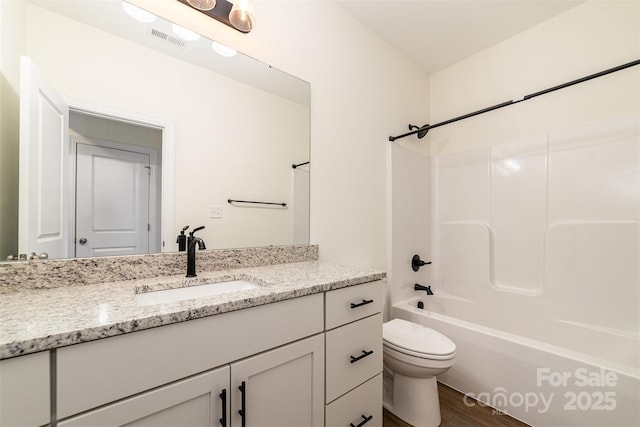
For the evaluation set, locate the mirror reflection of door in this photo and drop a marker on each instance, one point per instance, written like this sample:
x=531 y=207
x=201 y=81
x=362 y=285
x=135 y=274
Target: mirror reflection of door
x=43 y=200
x=117 y=179
x=112 y=201
x=117 y=185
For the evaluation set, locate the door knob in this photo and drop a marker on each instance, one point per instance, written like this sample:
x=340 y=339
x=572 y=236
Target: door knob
x=83 y=240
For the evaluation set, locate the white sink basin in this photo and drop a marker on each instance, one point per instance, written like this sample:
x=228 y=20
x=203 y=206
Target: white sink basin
x=192 y=292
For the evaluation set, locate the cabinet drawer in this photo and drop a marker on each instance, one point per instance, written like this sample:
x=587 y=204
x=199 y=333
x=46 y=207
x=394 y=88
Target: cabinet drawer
x=362 y=406
x=355 y=302
x=353 y=355
x=99 y=372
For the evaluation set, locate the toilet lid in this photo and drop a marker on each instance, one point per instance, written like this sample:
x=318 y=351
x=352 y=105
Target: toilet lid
x=416 y=339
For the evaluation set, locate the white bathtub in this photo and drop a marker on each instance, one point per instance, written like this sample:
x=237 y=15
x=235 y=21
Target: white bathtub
x=551 y=372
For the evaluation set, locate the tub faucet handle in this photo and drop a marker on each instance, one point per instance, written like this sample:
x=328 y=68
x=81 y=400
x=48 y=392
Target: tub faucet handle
x=416 y=262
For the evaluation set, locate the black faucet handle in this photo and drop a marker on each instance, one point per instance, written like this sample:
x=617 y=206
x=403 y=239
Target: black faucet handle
x=196 y=229
x=416 y=263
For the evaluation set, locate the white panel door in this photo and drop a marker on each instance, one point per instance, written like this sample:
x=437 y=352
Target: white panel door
x=112 y=201
x=44 y=196
x=282 y=387
x=194 y=402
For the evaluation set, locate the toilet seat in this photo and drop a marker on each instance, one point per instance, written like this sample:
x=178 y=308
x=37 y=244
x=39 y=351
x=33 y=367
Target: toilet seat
x=416 y=340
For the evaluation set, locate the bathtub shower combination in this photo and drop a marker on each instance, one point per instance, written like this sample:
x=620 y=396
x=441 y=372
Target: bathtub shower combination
x=536 y=273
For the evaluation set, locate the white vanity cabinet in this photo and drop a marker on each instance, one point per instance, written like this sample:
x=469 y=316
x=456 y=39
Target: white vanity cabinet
x=309 y=361
x=24 y=391
x=133 y=366
x=353 y=348
x=281 y=387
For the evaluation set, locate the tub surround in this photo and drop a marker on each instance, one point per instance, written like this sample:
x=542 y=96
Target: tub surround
x=38 y=315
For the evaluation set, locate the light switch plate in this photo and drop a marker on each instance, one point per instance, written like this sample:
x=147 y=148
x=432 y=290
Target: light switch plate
x=215 y=212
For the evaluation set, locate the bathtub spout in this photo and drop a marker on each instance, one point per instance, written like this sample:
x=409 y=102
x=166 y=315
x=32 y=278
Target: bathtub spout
x=427 y=289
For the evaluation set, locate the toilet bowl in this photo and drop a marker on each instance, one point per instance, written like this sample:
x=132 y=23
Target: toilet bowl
x=413 y=355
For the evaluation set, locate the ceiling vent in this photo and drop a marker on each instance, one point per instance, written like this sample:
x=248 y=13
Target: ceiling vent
x=166 y=37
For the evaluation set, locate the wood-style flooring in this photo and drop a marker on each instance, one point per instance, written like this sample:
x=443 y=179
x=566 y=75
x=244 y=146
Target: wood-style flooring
x=455 y=413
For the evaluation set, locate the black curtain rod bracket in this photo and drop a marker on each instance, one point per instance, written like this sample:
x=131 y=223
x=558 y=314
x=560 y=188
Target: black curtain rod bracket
x=230 y=201
x=422 y=131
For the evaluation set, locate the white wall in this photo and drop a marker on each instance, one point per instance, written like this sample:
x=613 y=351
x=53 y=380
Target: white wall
x=11 y=45
x=586 y=39
x=362 y=91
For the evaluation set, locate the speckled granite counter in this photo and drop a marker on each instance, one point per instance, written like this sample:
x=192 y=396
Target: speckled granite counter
x=33 y=320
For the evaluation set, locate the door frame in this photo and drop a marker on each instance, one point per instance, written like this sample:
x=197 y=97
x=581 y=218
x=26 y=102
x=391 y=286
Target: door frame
x=167 y=178
x=155 y=238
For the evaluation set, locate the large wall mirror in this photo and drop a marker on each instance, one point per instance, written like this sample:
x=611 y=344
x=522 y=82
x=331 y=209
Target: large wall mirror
x=159 y=131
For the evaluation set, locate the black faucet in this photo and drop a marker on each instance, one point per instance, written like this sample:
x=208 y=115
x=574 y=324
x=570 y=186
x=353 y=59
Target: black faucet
x=191 y=251
x=427 y=289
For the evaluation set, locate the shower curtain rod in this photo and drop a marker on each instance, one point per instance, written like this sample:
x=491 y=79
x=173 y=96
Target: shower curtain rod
x=422 y=131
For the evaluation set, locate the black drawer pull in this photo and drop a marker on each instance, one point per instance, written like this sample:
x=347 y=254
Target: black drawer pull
x=364 y=421
x=364 y=302
x=223 y=397
x=242 y=411
x=362 y=356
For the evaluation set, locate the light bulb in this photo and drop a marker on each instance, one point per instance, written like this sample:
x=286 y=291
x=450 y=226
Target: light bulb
x=223 y=50
x=185 y=34
x=202 y=4
x=242 y=15
x=137 y=13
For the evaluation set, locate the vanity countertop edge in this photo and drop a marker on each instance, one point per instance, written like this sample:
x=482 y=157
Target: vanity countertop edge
x=34 y=320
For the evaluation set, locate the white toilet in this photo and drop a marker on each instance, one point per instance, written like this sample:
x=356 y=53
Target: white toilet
x=413 y=355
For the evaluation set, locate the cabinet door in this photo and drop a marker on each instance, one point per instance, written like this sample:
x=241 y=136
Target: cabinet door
x=24 y=391
x=281 y=388
x=193 y=402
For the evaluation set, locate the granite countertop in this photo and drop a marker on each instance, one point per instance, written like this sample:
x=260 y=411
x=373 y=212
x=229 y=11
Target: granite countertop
x=33 y=320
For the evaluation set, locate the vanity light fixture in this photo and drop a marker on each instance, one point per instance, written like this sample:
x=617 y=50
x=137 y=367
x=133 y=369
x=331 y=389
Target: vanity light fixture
x=238 y=14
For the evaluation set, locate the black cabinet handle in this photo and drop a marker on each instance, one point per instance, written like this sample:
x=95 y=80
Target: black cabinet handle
x=362 y=356
x=242 y=411
x=364 y=421
x=223 y=397
x=364 y=302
